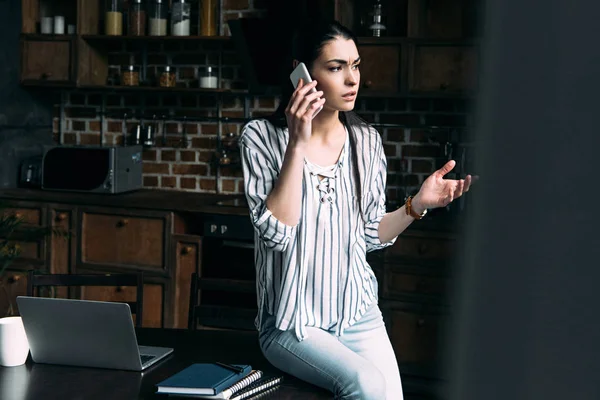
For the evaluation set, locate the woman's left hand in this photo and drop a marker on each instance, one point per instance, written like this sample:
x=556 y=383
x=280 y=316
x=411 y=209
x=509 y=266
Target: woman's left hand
x=439 y=192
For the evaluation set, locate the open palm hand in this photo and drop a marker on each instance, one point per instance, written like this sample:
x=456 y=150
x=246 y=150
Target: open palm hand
x=439 y=192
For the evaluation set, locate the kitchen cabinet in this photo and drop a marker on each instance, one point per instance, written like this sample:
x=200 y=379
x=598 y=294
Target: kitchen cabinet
x=171 y=240
x=14 y=283
x=422 y=51
x=120 y=237
x=153 y=299
x=47 y=60
x=443 y=68
x=117 y=238
x=187 y=252
x=380 y=68
x=414 y=280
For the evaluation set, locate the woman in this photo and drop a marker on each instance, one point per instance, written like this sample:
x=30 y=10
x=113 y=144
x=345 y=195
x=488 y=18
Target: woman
x=316 y=191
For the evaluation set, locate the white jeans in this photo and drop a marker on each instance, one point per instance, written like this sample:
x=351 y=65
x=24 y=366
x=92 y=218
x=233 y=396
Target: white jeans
x=360 y=364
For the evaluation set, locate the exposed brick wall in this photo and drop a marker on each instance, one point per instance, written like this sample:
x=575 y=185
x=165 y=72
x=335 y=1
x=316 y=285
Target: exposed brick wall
x=185 y=157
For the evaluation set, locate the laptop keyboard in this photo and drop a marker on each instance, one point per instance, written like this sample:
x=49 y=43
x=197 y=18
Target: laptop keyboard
x=145 y=358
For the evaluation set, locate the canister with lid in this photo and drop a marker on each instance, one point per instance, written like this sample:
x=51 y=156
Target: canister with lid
x=167 y=77
x=180 y=18
x=113 y=18
x=130 y=75
x=158 y=13
x=137 y=18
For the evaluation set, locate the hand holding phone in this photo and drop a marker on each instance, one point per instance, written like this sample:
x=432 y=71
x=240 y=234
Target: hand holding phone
x=302 y=72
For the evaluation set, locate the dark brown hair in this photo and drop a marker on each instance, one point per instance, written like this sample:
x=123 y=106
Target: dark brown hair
x=307 y=45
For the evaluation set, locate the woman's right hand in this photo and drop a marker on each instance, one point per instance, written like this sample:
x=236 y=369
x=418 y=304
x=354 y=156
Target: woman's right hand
x=300 y=111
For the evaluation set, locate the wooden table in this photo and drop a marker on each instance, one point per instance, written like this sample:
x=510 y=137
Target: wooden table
x=41 y=381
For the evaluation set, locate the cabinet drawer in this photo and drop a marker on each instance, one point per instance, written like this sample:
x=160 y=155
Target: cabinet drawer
x=421 y=247
x=398 y=282
x=45 y=60
x=31 y=216
x=153 y=300
x=124 y=239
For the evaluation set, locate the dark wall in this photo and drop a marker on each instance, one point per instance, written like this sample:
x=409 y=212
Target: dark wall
x=25 y=115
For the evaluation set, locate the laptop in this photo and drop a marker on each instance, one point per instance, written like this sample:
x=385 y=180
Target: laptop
x=85 y=333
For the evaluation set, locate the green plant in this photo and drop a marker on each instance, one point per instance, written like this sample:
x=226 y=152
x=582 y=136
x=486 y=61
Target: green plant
x=15 y=230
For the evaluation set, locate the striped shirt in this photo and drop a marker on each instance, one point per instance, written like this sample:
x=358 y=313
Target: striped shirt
x=315 y=273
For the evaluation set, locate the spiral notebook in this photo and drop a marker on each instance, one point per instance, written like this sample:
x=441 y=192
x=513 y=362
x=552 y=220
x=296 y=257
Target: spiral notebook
x=258 y=389
x=254 y=386
x=227 y=393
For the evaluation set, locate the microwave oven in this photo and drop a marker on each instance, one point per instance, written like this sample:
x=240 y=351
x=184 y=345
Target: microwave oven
x=98 y=169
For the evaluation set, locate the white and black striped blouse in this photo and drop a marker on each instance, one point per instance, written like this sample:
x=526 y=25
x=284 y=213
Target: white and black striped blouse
x=315 y=273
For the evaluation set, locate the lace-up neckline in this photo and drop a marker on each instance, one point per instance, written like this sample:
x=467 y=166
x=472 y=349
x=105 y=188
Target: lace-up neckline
x=325 y=176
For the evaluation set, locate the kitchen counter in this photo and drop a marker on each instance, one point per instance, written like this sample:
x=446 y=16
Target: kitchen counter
x=193 y=203
x=147 y=199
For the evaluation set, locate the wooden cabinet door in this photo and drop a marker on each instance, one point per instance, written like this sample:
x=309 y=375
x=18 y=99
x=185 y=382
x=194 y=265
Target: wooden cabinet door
x=153 y=300
x=442 y=68
x=112 y=237
x=187 y=250
x=47 y=60
x=379 y=68
x=416 y=334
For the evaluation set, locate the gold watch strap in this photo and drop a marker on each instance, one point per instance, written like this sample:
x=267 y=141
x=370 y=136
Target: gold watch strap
x=410 y=211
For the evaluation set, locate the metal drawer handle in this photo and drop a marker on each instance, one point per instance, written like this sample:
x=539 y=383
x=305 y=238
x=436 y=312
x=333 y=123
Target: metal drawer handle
x=186 y=250
x=123 y=222
x=239 y=245
x=223 y=229
x=61 y=216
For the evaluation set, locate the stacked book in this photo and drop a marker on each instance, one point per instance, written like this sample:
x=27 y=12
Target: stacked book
x=219 y=381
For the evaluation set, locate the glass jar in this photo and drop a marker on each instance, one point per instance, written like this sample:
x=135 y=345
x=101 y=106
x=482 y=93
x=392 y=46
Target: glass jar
x=208 y=18
x=209 y=81
x=137 y=18
x=130 y=76
x=113 y=18
x=180 y=18
x=158 y=13
x=167 y=77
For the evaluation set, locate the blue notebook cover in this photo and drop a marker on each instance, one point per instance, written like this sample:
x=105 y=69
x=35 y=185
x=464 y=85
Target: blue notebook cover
x=202 y=379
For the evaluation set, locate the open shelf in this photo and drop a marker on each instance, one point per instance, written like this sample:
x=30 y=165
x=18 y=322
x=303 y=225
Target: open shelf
x=113 y=38
x=117 y=88
x=401 y=40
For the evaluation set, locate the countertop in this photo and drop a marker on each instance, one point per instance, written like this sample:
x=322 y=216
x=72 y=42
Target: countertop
x=147 y=199
x=191 y=202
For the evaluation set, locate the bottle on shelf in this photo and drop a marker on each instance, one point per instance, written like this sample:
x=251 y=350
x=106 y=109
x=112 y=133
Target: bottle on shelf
x=208 y=81
x=180 y=18
x=137 y=18
x=208 y=23
x=158 y=13
x=113 y=18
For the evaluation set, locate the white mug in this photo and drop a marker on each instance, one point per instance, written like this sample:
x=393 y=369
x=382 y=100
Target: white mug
x=14 y=346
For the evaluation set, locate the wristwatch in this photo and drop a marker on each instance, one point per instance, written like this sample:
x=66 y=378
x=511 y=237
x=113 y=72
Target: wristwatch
x=410 y=211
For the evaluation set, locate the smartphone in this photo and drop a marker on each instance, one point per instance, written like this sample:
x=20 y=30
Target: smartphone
x=302 y=72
